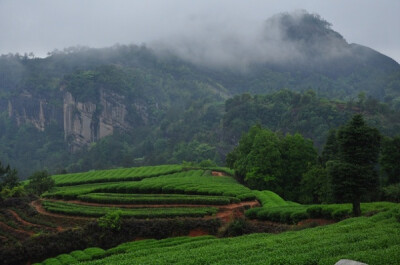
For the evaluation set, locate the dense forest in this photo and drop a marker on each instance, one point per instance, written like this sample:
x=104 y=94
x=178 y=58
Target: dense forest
x=136 y=105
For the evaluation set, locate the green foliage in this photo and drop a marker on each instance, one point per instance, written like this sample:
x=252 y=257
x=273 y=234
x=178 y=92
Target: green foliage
x=292 y=214
x=18 y=191
x=95 y=252
x=112 y=220
x=390 y=157
x=392 y=192
x=40 y=182
x=353 y=175
x=156 y=198
x=80 y=255
x=66 y=259
x=120 y=174
x=187 y=182
x=315 y=186
x=331 y=148
x=8 y=177
x=207 y=163
x=265 y=160
x=93 y=211
x=178 y=110
x=369 y=240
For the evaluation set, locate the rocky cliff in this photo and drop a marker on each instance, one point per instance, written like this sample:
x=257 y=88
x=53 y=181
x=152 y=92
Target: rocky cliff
x=87 y=122
x=82 y=122
x=26 y=108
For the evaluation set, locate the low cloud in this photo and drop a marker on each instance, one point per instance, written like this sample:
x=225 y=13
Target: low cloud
x=295 y=38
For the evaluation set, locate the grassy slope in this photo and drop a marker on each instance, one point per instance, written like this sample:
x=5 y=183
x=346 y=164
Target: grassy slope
x=374 y=240
x=186 y=182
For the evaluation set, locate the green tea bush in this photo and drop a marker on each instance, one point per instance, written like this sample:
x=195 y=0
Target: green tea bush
x=112 y=175
x=93 y=211
x=371 y=240
x=95 y=252
x=79 y=255
x=187 y=182
x=340 y=214
x=156 y=198
x=314 y=211
x=298 y=216
x=66 y=259
x=52 y=261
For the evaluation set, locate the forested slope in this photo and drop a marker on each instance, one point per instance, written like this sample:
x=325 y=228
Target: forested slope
x=134 y=105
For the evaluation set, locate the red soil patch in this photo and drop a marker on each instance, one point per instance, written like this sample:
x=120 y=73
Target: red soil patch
x=228 y=213
x=198 y=232
x=218 y=173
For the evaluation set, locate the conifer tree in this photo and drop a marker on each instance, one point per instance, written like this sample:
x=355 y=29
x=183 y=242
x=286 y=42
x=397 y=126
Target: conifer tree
x=353 y=174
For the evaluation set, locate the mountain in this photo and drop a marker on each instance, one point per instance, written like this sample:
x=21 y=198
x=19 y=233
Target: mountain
x=83 y=108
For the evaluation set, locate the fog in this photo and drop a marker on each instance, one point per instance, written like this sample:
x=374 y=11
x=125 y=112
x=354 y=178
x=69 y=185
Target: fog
x=215 y=45
x=214 y=32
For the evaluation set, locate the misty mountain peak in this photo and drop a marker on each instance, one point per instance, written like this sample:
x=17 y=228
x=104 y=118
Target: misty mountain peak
x=302 y=26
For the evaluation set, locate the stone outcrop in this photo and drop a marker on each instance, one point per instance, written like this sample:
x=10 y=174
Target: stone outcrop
x=82 y=122
x=87 y=122
x=37 y=111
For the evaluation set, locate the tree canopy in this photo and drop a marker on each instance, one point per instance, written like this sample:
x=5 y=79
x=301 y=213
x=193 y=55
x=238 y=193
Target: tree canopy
x=353 y=173
x=267 y=160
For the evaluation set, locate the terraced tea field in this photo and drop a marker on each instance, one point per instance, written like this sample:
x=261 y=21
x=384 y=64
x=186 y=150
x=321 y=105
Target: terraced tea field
x=175 y=194
x=147 y=192
x=373 y=240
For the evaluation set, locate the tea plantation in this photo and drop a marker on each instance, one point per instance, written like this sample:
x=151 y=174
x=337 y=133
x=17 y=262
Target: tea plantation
x=373 y=240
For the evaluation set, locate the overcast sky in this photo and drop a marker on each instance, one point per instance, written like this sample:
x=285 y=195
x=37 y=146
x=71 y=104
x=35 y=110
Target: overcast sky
x=40 y=26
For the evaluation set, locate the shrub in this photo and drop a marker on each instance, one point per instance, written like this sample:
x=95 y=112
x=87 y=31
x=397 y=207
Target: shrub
x=315 y=211
x=392 y=192
x=246 y=197
x=326 y=212
x=340 y=214
x=111 y=220
x=296 y=217
x=66 y=259
x=252 y=213
x=95 y=252
x=79 y=255
x=236 y=228
x=52 y=261
x=40 y=182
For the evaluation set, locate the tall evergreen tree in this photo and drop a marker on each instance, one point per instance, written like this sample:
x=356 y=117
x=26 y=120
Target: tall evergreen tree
x=330 y=150
x=390 y=159
x=353 y=174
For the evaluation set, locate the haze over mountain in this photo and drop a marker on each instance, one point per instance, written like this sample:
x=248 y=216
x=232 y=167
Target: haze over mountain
x=288 y=39
x=164 y=102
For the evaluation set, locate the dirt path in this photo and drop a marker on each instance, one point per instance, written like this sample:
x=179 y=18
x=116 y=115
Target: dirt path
x=26 y=223
x=225 y=212
x=39 y=208
x=19 y=232
x=22 y=221
x=228 y=206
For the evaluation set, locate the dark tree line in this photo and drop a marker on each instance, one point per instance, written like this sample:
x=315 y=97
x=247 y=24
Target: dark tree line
x=346 y=170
